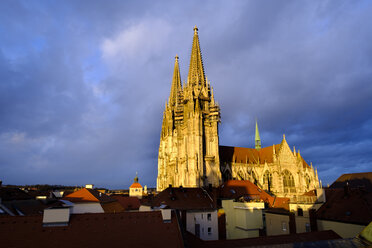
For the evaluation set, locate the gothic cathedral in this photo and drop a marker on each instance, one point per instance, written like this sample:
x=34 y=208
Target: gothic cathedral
x=189 y=151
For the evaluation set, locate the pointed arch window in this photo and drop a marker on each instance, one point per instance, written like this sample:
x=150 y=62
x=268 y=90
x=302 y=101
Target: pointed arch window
x=267 y=181
x=288 y=182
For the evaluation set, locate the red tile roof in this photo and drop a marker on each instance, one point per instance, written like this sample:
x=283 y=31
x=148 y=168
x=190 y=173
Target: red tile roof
x=128 y=203
x=127 y=229
x=242 y=154
x=88 y=195
x=354 y=180
x=30 y=207
x=349 y=206
x=10 y=194
x=249 y=155
x=185 y=199
x=267 y=241
x=135 y=185
x=234 y=189
x=112 y=207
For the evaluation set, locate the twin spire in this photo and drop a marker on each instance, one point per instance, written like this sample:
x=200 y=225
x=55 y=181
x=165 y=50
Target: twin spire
x=196 y=71
x=196 y=77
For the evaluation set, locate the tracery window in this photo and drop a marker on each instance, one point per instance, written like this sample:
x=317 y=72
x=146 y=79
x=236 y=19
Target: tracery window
x=288 y=182
x=267 y=180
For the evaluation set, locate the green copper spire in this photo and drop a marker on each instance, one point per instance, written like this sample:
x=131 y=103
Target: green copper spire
x=257 y=139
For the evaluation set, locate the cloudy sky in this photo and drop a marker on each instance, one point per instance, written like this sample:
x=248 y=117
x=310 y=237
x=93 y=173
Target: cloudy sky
x=83 y=83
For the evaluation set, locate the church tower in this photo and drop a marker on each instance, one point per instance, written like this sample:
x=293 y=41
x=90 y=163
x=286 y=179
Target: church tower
x=189 y=146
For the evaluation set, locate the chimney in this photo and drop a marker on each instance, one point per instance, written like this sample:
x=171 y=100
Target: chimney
x=89 y=186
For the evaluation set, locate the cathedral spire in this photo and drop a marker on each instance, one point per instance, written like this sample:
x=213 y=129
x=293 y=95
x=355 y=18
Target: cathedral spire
x=257 y=138
x=176 y=83
x=196 y=71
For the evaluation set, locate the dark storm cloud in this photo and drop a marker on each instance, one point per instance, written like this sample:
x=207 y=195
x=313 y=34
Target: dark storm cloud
x=84 y=83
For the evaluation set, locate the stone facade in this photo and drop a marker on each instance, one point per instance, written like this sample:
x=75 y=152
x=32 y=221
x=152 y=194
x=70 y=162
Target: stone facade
x=188 y=151
x=275 y=168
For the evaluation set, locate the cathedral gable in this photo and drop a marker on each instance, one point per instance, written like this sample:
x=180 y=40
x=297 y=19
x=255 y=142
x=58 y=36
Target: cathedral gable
x=285 y=154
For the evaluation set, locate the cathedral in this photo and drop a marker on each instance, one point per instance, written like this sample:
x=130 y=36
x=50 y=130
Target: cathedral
x=189 y=150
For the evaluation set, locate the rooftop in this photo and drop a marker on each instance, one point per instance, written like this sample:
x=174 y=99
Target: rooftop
x=235 y=189
x=88 y=195
x=186 y=199
x=269 y=241
x=354 y=180
x=347 y=205
x=127 y=229
x=250 y=155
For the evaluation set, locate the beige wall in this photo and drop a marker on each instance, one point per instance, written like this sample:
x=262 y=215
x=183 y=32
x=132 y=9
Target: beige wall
x=301 y=223
x=277 y=224
x=243 y=219
x=345 y=230
x=136 y=192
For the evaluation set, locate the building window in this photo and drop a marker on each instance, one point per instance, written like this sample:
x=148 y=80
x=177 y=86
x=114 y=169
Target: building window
x=288 y=182
x=209 y=230
x=202 y=216
x=307 y=227
x=300 y=212
x=209 y=217
x=284 y=226
x=267 y=181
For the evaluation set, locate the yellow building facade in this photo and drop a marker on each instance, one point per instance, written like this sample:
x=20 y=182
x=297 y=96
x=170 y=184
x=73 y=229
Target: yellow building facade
x=243 y=219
